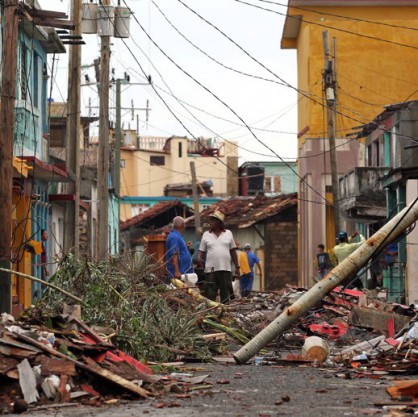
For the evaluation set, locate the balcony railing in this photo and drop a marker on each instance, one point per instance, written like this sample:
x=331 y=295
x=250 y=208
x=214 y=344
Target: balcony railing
x=362 y=196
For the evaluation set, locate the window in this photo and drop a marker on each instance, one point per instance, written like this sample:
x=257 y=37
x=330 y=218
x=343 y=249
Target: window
x=180 y=150
x=157 y=160
x=23 y=71
x=369 y=155
x=36 y=83
x=393 y=146
x=376 y=153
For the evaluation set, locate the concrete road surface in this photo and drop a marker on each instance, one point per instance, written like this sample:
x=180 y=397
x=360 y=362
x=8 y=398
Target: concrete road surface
x=250 y=390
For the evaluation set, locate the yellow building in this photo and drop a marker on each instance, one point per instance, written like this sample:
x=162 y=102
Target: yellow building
x=376 y=57
x=146 y=169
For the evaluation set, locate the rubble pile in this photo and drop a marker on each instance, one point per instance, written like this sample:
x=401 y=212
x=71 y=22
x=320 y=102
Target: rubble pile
x=133 y=321
x=144 y=317
x=41 y=367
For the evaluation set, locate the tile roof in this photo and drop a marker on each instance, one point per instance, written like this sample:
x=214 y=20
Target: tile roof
x=243 y=212
x=160 y=208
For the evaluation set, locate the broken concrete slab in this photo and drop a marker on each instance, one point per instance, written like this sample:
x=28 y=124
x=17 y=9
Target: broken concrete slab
x=376 y=319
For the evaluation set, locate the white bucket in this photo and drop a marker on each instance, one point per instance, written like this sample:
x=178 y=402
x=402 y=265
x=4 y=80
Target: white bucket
x=89 y=18
x=122 y=19
x=105 y=20
x=189 y=279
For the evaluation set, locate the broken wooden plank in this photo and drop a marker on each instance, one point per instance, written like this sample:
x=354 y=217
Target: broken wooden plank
x=53 y=23
x=96 y=369
x=122 y=382
x=7 y=364
x=51 y=366
x=83 y=347
x=128 y=372
x=408 y=388
x=27 y=382
x=90 y=331
x=62 y=389
x=16 y=352
x=9 y=339
x=376 y=319
x=48 y=13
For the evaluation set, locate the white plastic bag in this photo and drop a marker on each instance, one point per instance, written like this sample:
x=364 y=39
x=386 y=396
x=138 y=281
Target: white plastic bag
x=236 y=288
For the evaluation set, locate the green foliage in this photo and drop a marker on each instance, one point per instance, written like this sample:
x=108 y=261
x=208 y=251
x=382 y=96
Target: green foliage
x=123 y=293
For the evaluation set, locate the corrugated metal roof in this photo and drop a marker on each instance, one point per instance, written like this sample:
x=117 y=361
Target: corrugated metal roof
x=153 y=212
x=243 y=212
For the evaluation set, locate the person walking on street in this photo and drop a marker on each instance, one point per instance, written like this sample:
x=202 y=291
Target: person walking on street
x=346 y=247
x=219 y=246
x=178 y=258
x=247 y=260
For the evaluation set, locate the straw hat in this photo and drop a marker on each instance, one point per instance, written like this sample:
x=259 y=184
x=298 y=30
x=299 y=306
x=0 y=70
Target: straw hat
x=218 y=215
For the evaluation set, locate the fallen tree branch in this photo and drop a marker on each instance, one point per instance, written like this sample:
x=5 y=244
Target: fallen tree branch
x=179 y=284
x=48 y=284
x=233 y=333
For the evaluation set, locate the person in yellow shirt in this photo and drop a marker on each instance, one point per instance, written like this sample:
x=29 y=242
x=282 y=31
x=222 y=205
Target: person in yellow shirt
x=247 y=260
x=346 y=247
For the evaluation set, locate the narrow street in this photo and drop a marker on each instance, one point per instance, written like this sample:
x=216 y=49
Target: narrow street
x=255 y=391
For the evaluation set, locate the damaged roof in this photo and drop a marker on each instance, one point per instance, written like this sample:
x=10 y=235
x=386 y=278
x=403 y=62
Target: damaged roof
x=148 y=217
x=376 y=123
x=243 y=212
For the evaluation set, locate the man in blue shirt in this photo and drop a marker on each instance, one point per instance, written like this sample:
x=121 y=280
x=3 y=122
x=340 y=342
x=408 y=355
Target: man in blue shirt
x=247 y=260
x=178 y=258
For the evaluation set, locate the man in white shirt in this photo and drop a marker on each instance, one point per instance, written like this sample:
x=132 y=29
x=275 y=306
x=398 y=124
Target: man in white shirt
x=219 y=246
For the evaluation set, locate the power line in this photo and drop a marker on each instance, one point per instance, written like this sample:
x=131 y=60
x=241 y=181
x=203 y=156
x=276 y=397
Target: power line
x=223 y=102
x=300 y=19
x=358 y=19
x=281 y=79
x=161 y=98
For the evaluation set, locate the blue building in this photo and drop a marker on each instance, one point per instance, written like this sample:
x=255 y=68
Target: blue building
x=268 y=177
x=31 y=146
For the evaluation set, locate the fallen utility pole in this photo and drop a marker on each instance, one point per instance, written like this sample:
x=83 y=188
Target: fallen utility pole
x=346 y=269
x=7 y=110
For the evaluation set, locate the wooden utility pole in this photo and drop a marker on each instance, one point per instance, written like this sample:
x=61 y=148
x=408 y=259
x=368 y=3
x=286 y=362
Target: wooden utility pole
x=195 y=199
x=330 y=96
x=103 y=156
x=7 y=118
x=72 y=151
x=118 y=141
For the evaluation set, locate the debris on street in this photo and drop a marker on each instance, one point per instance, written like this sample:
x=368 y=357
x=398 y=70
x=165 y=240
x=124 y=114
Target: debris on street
x=131 y=325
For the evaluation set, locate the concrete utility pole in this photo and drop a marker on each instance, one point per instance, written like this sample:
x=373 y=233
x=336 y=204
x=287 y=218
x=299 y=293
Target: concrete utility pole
x=195 y=199
x=330 y=96
x=7 y=119
x=72 y=150
x=341 y=273
x=103 y=156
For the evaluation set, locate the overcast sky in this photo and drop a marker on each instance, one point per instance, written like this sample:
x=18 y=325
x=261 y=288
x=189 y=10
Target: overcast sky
x=261 y=104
